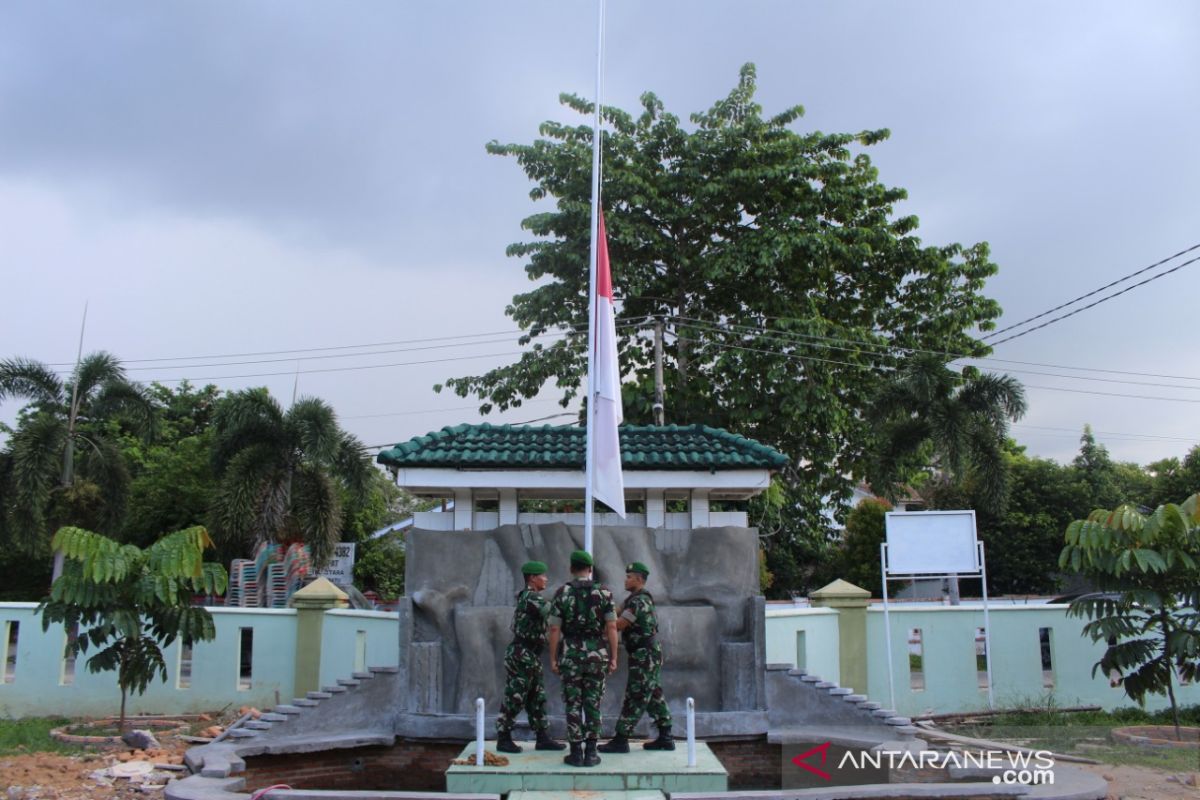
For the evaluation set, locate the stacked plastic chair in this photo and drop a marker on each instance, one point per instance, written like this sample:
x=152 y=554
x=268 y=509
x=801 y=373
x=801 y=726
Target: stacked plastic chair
x=296 y=564
x=243 y=584
x=274 y=586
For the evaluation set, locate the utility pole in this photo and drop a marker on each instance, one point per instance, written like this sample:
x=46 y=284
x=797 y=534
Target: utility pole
x=658 y=372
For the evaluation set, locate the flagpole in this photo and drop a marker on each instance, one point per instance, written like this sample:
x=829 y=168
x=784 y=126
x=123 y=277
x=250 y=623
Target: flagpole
x=589 y=459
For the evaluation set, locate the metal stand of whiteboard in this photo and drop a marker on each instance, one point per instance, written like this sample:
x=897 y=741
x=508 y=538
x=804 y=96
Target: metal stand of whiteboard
x=981 y=572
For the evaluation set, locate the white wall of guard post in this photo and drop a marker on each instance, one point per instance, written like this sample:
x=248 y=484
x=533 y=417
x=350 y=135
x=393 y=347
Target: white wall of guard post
x=479 y=731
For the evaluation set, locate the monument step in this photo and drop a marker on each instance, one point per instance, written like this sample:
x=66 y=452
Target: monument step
x=348 y=682
x=333 y=689
x=645 y=771
x=241 y=733
x=362 y=676
x=287 y=709
x=270 y=716
x=304 y=702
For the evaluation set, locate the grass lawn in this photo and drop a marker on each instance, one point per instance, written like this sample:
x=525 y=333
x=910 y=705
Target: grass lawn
x=32 y=735
x=1087 y=734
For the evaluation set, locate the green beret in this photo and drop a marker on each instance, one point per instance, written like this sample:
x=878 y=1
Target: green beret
x=639 y=567
x=533 y=568
x=581 y=558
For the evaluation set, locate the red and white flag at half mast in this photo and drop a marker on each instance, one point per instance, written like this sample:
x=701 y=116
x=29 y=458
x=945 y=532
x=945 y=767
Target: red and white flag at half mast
x=608 y=485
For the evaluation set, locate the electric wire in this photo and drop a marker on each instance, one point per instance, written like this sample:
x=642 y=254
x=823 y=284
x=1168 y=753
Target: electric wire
x=951 y=355
x=800 y=357
x=1061 y=306
x=1096 y=303
x=782 y=337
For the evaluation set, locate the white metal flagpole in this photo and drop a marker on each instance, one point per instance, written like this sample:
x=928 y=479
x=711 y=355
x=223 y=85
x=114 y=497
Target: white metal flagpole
x=590 y=457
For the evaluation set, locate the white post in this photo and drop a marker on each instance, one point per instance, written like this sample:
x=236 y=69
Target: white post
x=479 y=731
x=691 y=731
x=987 y=627
x=887 y=625
x=591 y=376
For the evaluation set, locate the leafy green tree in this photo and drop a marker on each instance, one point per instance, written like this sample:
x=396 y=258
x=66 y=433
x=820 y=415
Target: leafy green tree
x=62 y=464
x=778 y=259
x=174 y=481
x=379 y=566
x=282 y=473
x=1171 y=477
x=960 y=419
x=859 y=556
x=129 y=603
x=1148 y=568
x=1023 y=542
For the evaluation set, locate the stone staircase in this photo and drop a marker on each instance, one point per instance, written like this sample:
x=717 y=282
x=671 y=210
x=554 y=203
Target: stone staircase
x=362 y=707
x=800 y=703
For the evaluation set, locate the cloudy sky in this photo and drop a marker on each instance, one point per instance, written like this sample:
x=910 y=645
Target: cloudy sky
x=221 y=178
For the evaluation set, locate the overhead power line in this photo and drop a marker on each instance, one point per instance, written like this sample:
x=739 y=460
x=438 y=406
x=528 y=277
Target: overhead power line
x=1135 y=436
x=803 y=358
x=1095 y=303
x=784 y=337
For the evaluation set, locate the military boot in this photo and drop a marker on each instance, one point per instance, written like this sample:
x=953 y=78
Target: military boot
x=617 y=744
x=575 y=757
x=590 y=759
x=663 y=742
x=544 y=742
x=505 y=743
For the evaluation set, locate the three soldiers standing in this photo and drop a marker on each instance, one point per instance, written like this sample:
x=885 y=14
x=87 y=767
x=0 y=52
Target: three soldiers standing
x=583 y=619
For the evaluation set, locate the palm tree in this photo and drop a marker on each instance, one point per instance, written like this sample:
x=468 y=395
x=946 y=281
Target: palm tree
x=956 y=422
x=61 y=465
x=283 y=474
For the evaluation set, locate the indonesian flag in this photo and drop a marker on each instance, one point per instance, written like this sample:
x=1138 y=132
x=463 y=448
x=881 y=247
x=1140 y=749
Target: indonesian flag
x=608 y=485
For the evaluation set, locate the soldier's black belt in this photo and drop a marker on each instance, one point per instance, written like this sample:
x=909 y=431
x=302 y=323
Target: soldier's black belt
x=638 y=644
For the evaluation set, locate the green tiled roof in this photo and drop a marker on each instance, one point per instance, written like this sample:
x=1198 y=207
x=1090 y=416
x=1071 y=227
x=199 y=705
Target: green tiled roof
x=647 y=447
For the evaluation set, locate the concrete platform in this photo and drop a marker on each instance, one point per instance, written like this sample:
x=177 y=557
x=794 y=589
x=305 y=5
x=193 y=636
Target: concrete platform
x=638 y=773
x=643 y=794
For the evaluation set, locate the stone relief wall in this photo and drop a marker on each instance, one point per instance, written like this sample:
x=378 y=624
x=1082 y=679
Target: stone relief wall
x=461 y=587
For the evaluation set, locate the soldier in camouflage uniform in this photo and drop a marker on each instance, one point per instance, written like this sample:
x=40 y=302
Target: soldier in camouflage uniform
x=643 y=693
x=524 y=686
x=583 y=618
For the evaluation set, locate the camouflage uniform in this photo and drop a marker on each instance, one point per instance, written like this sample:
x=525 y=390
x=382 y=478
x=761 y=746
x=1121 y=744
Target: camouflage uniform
x=643 y=692
x=582 y=608
x=524 y=686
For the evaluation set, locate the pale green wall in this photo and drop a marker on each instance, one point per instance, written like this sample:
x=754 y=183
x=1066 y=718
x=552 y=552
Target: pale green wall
x=38 y=691
x=950 y=677
x=820 y=626
x=951 y=683
x=339 y=636
x=948 y=637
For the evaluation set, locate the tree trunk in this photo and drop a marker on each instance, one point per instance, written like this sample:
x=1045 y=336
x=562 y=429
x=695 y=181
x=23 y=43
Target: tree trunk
x=121 y=719
x=1166 y=633
x=68 y=478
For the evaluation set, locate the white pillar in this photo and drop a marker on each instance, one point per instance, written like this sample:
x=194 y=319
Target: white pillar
x=656 y=509
x=699 y=506
x=508 y=506
x=464 y=510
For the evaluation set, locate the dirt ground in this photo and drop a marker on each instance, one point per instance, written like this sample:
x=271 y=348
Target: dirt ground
x=45 y=776
x=50 y=776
